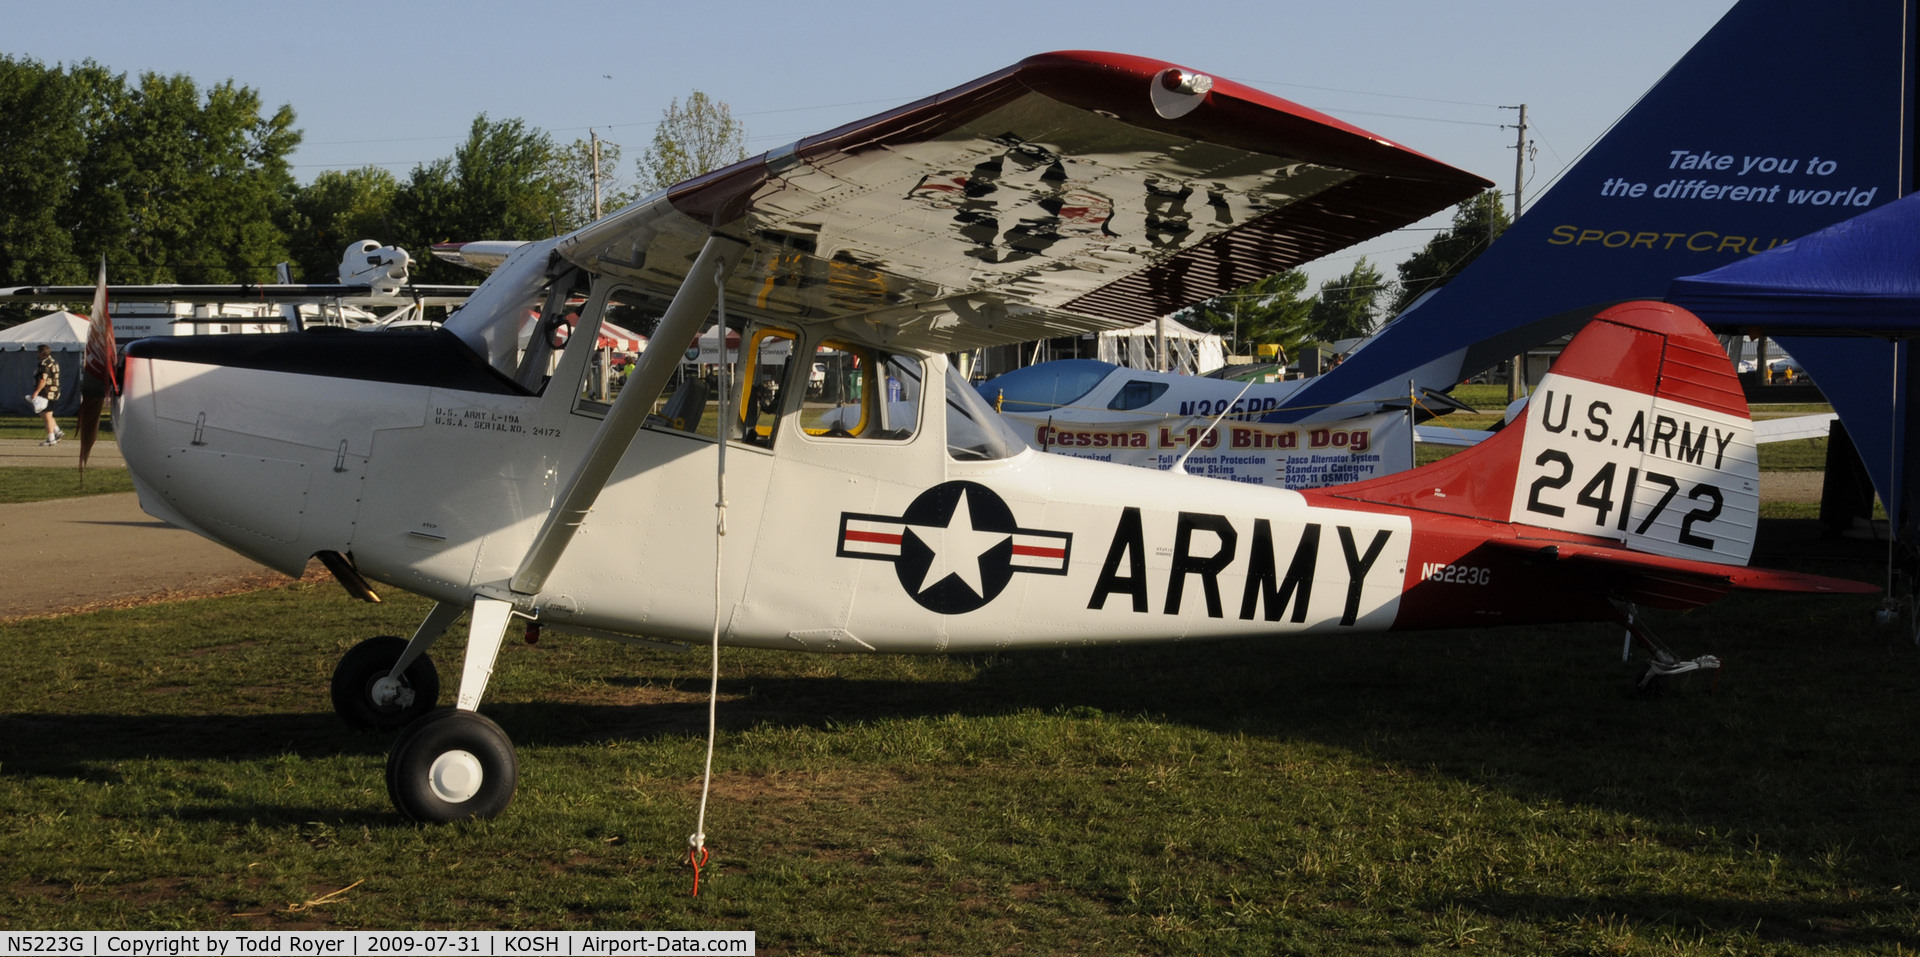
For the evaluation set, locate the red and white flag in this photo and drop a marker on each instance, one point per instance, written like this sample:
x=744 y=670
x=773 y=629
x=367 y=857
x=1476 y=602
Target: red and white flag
x=99 y=362
x=98 y=378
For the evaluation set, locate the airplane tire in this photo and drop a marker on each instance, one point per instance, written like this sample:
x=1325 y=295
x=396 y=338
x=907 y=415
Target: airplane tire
x=363 y=666
x=452 y=766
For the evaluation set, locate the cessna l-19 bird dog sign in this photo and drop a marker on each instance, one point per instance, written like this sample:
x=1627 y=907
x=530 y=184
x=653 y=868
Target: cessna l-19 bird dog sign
x=873 y=502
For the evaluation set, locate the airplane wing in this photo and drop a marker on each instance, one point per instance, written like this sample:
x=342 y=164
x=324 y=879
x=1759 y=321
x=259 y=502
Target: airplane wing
x=352 y=294
x=484 y=255
x=1071 y=192
x=1816 y=426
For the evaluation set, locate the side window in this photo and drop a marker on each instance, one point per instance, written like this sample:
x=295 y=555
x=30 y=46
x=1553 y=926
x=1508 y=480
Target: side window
x=544 y=326
x=764 y=370
x=691 y=400
x=856 y=392
x=614 y=349
x=1136 y=394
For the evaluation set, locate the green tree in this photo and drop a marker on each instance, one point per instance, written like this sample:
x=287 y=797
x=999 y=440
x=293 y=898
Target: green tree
x=1348 y=306
x=1271 y=311
x=499 y=184
x=573 y=171
x=1476 y=223
x=337 y=208
x=693 y=139
x=177 y=186
x=41 y=147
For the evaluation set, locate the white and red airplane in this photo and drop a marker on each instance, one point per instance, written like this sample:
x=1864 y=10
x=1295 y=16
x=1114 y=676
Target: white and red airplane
x=871 y=501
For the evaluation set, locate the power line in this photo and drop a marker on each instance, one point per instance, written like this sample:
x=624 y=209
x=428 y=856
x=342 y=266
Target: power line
x=1390 y=96
x=785 y=138
x=1422 y=119
x=418 y=162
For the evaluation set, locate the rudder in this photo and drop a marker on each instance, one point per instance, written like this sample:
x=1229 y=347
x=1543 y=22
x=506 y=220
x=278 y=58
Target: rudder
x=1639 y=434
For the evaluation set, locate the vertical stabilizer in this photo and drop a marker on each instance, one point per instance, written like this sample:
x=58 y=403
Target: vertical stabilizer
x=1640 y=435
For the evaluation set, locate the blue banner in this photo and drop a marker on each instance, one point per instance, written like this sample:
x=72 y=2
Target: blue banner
x=1790 y=115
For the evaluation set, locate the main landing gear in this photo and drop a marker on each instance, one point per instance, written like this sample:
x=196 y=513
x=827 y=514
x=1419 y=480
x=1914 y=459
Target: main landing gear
x=450 y=764
x=370 y=693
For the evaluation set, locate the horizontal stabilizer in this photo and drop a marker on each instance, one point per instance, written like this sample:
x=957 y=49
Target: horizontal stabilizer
x=1815 y=426
x=1668 y=582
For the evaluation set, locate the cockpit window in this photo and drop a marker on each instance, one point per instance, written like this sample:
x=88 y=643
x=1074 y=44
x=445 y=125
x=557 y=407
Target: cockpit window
x=974 y=431
x=758 y=361
x=763 y=373
x=491 y=320
x=546 y=325
x=613 y=349
x=855 y=392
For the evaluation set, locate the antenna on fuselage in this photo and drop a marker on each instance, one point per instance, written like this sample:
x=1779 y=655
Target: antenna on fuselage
x=1180 y=464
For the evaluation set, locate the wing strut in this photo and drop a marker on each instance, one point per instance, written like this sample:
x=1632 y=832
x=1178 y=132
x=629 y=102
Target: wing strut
x=678 y=326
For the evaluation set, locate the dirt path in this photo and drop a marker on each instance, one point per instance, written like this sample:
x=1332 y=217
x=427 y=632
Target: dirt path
x=1791 y=486
x=101 y=551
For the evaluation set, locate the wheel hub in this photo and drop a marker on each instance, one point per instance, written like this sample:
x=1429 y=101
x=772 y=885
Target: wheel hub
x=390 y=692
x=456 y=776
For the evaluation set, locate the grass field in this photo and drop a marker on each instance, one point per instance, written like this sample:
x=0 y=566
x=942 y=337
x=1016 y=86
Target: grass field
x=36 y=483
x=178 y=766
x=31 y=483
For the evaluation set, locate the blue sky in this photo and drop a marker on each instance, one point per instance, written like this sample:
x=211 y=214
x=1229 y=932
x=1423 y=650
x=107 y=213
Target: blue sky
x=397 y=84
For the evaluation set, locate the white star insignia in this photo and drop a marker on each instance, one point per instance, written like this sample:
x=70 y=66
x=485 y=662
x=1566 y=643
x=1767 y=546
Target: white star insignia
x=956 y=548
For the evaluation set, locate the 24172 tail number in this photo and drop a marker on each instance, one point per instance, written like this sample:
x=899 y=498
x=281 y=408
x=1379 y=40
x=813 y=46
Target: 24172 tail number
x=1598 y=494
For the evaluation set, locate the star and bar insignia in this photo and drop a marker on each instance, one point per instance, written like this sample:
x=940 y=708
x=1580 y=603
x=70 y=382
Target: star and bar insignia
x=955 y=548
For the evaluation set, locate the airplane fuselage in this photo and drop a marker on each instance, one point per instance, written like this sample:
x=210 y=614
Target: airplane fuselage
x=832 y=545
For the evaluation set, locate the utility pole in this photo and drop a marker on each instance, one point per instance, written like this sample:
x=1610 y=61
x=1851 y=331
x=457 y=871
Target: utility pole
x=1519 y=375
x=595 y=138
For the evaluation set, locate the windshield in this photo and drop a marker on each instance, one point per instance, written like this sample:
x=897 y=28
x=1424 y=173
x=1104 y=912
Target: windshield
x=974 y=431
x=1048 y=385
x=491 y=321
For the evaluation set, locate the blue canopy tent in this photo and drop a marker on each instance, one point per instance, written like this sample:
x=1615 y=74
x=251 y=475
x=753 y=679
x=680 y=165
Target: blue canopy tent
x=1845 y=301
x=1713 y=165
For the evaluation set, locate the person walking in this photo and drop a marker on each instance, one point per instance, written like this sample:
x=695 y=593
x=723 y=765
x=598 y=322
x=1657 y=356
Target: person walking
x=46 y=391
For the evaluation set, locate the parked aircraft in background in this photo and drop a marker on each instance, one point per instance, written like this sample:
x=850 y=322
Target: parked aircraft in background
x=372 y=276
x=1089 y=390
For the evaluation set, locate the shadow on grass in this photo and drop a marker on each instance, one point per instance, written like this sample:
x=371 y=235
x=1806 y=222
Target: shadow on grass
x=1773 y=922
x=85 y=746
x=1811 y=718
x=1803 y=746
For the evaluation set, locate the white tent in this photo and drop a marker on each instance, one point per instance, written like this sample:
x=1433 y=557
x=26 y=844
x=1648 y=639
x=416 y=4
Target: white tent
x=1188 y=351
x=64 y=333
